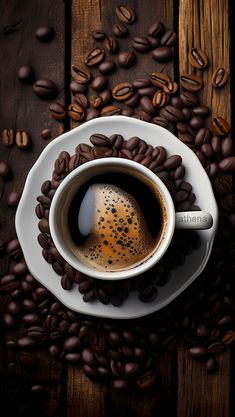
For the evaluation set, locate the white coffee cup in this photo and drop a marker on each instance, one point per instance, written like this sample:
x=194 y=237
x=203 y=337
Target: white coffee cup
x=67 y=189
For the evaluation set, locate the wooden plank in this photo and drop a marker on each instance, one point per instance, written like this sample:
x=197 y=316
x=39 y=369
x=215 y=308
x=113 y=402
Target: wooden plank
x=201 y=394
x=21 y=109
x=87 y=16
x=205 y=24
x=83 y=396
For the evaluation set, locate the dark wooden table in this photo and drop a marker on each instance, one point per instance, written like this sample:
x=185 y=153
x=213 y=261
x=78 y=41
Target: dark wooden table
x=186 y=391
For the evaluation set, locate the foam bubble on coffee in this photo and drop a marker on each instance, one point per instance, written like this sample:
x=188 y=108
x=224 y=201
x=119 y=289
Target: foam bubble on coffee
x=115 y=230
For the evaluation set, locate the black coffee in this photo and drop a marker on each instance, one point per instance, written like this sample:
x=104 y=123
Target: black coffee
x=115 y=221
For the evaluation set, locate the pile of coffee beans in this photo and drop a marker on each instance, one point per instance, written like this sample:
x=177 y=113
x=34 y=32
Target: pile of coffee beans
x=126 y=353
x=171 y=171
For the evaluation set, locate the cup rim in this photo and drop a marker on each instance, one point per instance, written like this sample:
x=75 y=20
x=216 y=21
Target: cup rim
x=112 y=275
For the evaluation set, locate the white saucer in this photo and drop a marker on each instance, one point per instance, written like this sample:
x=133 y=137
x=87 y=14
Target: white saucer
x=27 y=222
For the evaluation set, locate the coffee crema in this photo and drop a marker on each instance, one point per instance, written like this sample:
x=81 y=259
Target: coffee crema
x=115 y=222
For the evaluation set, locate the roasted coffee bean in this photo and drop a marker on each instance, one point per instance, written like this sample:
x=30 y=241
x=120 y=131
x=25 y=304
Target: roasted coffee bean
x=120 y=30
x=154 y=42
x=91 y=114
x=198 y=58
x=107 y=67
x=219 y=77
x=45 y=89
x=88 y=357
x=8 y=283
x=141 y=44
x=162 y=54
x=212 y=170
x=111 y=44
x=220 y=126
x=120 y=384
x=94 y=57
x=25 y=343
x=189 y=99
x=216 y=144
x=20 y=268
x=133 y=101
x=126 y=59
x=147 y=91
x=198 y=351
x=96 y=102
x=228 y=337
x=110 y=111
x=76 y=112
x=14 y=250
x=8 y=321
x=4 y=169
x=160 y=121
x=173 y=114
x=57 y=111
x=31 y=318
x=216 y=348
x=82 y=75
x=106 y=96
x=59 y=269
x=125 y=13
x=146 y=380
x=122 y=91
x=46 y=134
x=203 y=136
x=99 y=83
x=156 y=29
x=160 y=99
x=162 y=81
x=141 y=83
x=45 y=187
x=146 y=105
x=98 y=139
x=201 y=111
x=26 y=73
x=211 y=365
x=142 y=115
x=187 y=113
x=22 y=139
x=98 y=35
x=206 y=148
x=196 y=122
x=169 y=38
x=81 y=99
x=44 y=33
x=13 y=199
x=227 y=164
x=191 y=82
x=172 y=162
x=8 y=137
x=227 y=147
x=131 y=369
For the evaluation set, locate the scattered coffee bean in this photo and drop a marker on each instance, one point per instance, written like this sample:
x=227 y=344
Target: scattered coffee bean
x=46 y=134
x=147 y=105
x=26 y=73
x=162 y=54
x=76 y=112
x=120 y=30
x=126 y=14
x=8 y=137
x=227 y=147
x=219 y=77
x=99 y=83
x=57 y=111
x=126 y=59
x=160 y=99
x=220 y=126
x=154 y=42
x=211 y=365
x=110 y=111
x=198 y=58
x=81 y=99
x=94 y=57
x=4 y=170
x=169 y=38
x=13 y=199
x=141 y=44
x=201 y=111
x=111 y=44
x=227 y=164
x=44 y=33
x=191 y=82
x=156 y=29
x=22 y=139
x=81 y=75
x=189 y=99
x=122 y=91
x=107 y=67
x=96 y=102
x=98 y=35
x=45 y=89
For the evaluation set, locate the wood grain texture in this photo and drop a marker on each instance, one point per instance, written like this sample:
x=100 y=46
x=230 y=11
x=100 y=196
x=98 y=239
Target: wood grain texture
x=201 y=394
x=205 y=25
x=88 y=16
x=21 y=109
